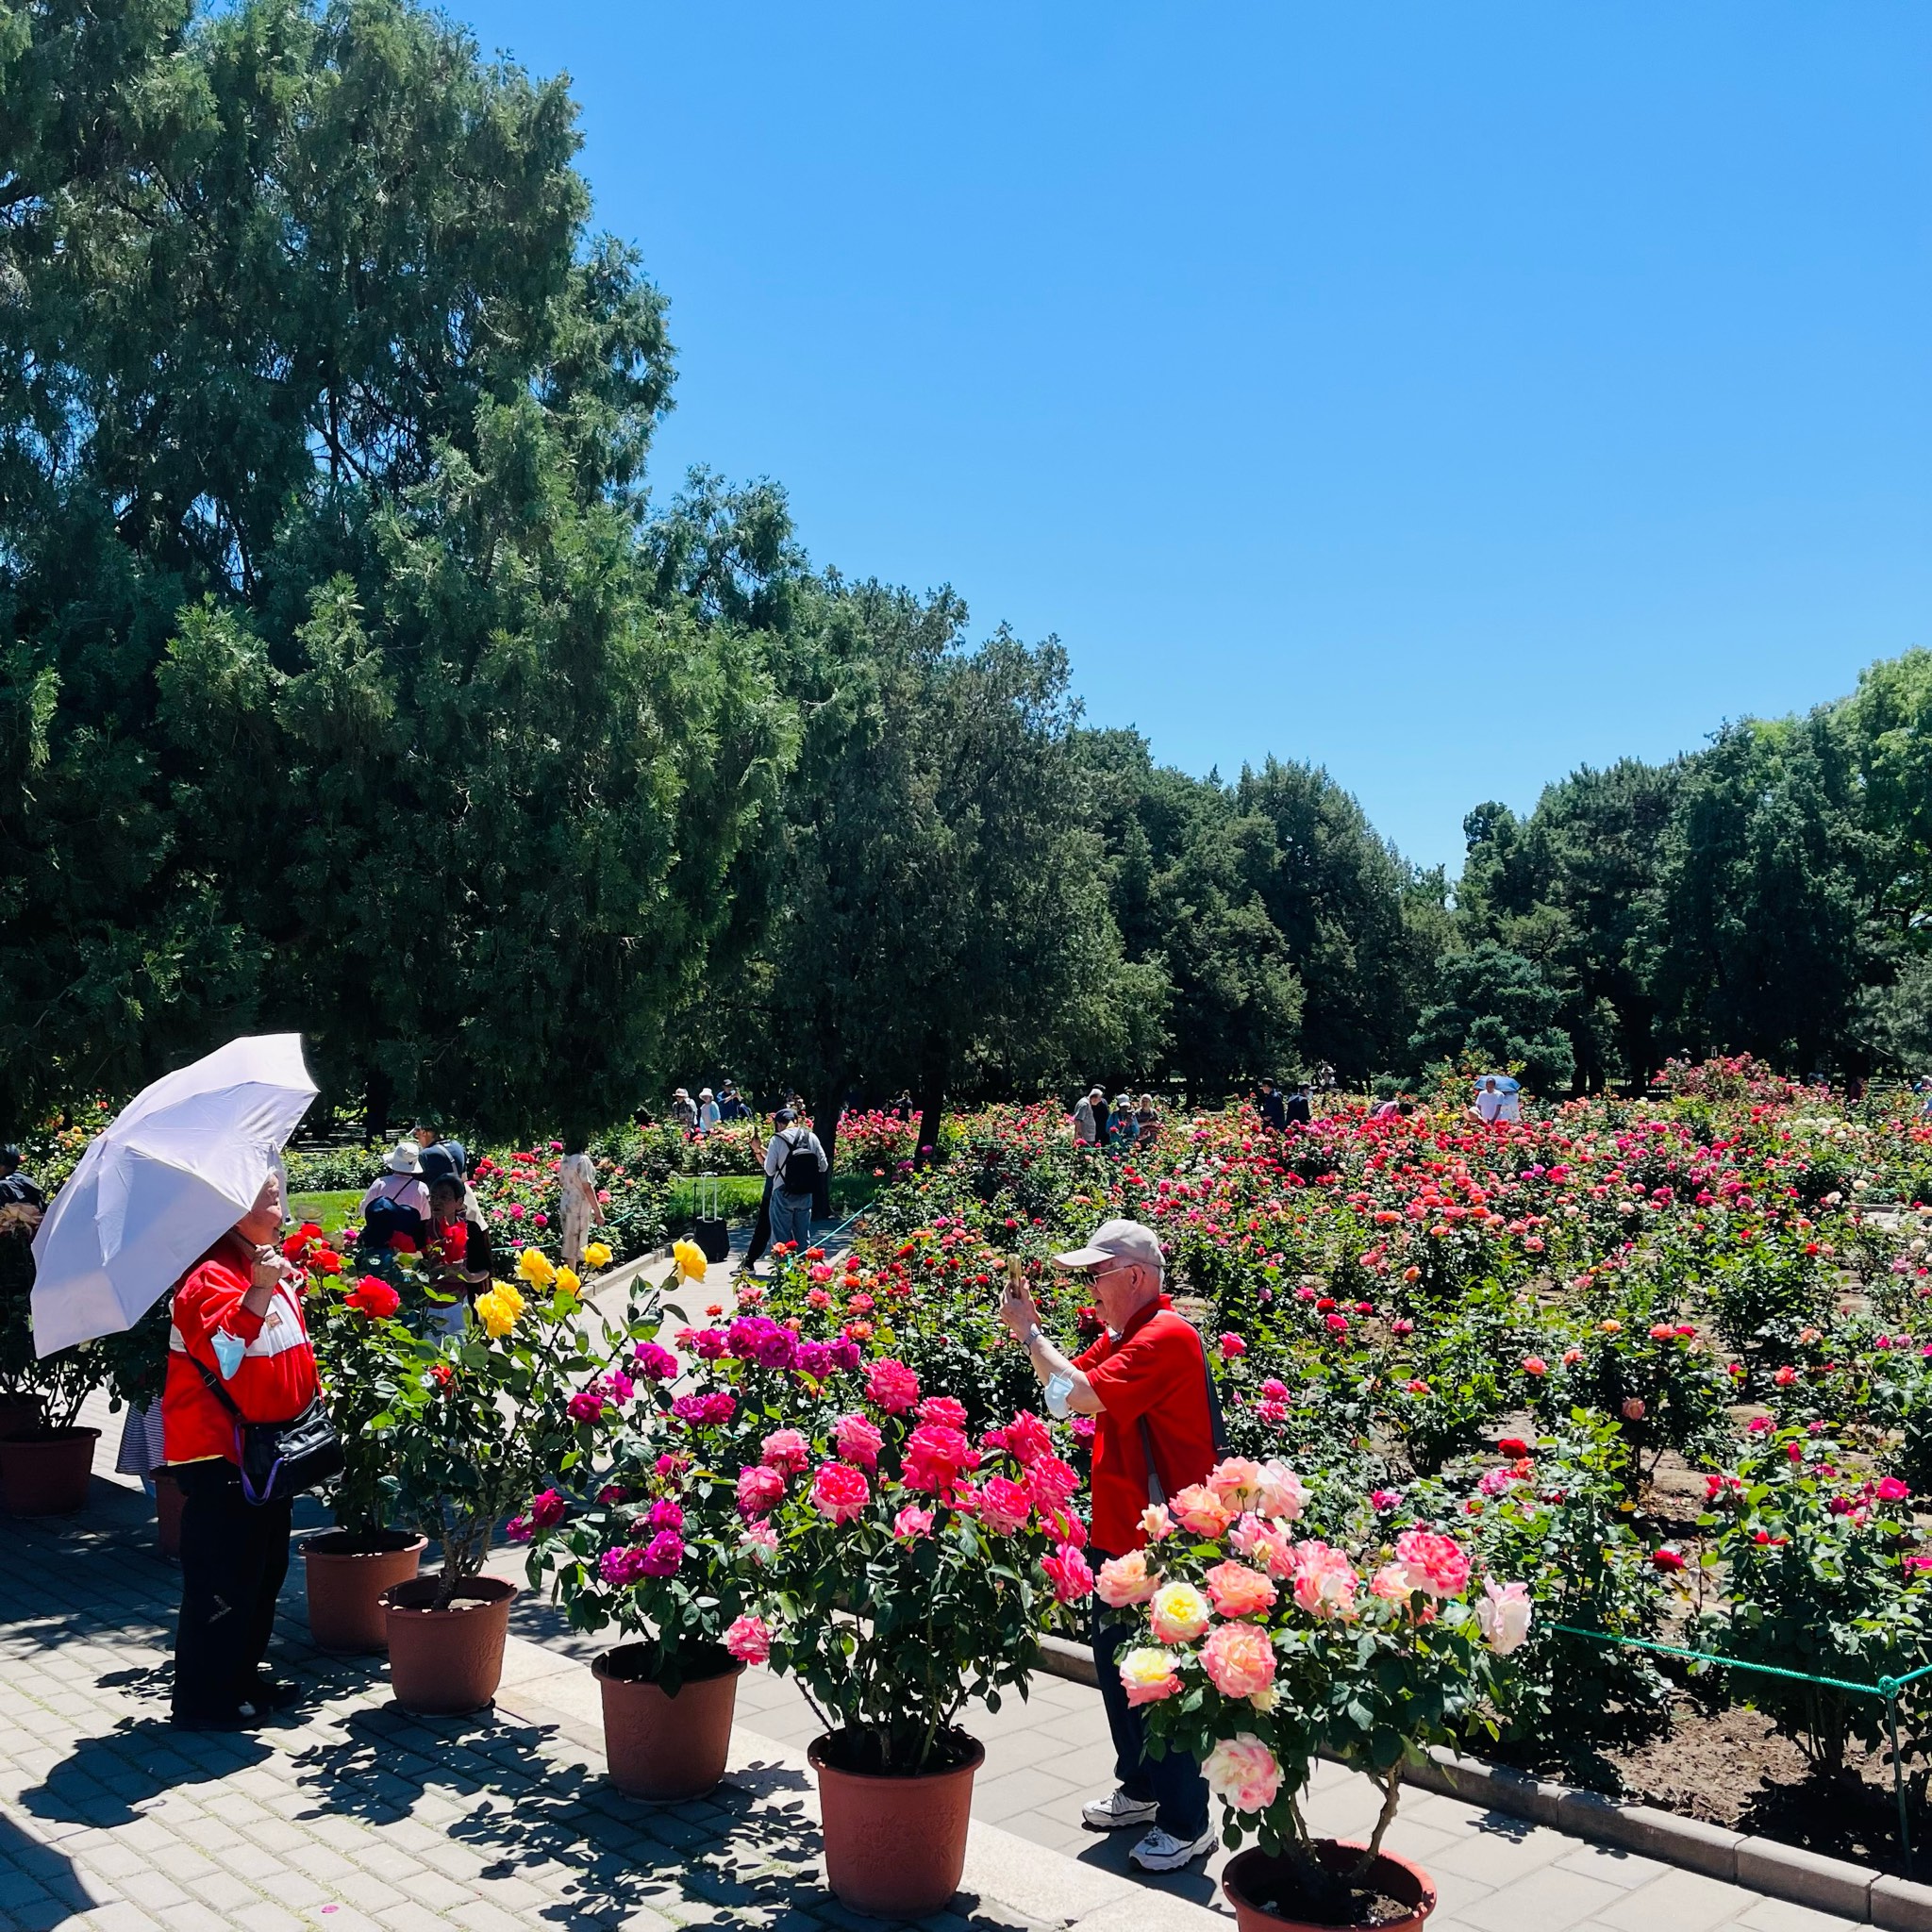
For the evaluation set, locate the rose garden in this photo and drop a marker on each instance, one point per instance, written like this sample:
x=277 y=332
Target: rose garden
x=1587 y=1445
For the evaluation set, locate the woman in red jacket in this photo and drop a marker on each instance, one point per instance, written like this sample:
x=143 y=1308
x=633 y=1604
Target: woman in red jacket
x=238 y=1316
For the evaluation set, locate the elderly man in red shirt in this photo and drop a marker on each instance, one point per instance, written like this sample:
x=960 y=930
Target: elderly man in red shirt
x=1145 y=1382
x=237 y=1316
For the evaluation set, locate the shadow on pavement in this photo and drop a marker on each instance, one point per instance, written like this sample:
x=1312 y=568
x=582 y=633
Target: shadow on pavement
x=112 y=1779
x=526 y=1813
x=46 y=1891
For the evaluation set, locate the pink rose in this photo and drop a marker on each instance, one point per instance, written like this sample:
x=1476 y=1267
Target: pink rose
x=1147 y=1675
x=1243 y=1773
x=1050 y=1482
x=1125 y=1580
x=786 y=1451
x=913 y=1522
x=1068 y=1571
x=1435 y=1563
x=1239 y=1592
x=1004 y=1506
x=1236 y=1482
x=1199 y=1509
x=839 y=1493
x=1027 y=1439
x=1156 y=1523
x=1239 y=1659
x=1266 y=1544
x=759 y=1489
x=859 y=1439
x=1324 y=1581
x=749 y=1640
x=892 y=1385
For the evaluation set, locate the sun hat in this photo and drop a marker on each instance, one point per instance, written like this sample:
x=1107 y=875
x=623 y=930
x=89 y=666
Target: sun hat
x=1117 y=1241
x=404 y=1157
x=704 y=1093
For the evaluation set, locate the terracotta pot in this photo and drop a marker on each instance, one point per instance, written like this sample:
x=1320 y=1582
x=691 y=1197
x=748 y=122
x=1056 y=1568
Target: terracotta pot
x=894 y=1846
x=445 y=1662
x=1253 y=1876
x=346 y=1575
x=663 y=1745
x=46 y=1474
x=20 y=1413
x=168 y=1502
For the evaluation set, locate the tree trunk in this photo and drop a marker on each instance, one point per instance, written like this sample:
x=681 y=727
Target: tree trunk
x=932 y=1106
x=379 y=1096
x=828 y=1140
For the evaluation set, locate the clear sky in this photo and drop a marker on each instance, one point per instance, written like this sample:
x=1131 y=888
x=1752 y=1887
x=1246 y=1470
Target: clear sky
x=1449 y=396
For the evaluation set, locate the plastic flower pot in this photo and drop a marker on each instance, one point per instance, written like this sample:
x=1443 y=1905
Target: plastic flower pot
x=444 y=1663
x=1263 y=1889
x=347 y=1574
x=45 y=1471
x=168 y=1500
x=661 y=1745
x=896 y=1845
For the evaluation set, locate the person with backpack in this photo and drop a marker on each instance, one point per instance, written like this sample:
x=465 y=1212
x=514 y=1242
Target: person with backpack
x=1157 y=1429
x=396 y=1203
x=793 y=1162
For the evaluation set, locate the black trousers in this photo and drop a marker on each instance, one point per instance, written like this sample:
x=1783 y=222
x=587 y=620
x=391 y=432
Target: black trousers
x=234 y=1556
x=1174 y=1782
x=761 y=1227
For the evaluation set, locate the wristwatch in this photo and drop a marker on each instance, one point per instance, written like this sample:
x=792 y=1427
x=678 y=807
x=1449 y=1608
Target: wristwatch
x=1031 y=1336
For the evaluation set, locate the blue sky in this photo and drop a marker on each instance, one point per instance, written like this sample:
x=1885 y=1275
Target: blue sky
x=1449 y=396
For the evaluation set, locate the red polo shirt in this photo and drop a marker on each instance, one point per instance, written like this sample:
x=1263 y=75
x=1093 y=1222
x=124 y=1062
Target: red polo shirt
x=1155 y=1367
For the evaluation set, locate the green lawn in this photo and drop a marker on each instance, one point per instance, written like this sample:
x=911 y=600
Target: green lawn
x=328 y=1211
x=739 y=1194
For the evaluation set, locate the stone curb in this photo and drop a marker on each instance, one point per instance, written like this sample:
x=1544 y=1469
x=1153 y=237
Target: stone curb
x=1781 y=1871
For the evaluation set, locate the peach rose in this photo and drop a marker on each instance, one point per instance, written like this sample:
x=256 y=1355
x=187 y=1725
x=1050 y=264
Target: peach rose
x=1198 y=1509
x=1237 y=1482
x=1242 y=1772
x=1239 y=1592
x=1324 y=1581
x=1239 y=1659
x=1177 y=1613
x=1503 y=1611
x=1156 y=1525
x=1267 y=1543
x=1125 y=1580
x=1282 y=1492
x=1147 y=1675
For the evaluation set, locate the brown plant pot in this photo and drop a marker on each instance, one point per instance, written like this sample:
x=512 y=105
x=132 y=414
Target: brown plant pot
x=168 y=1504
x=1253 y=1880
x=346 y=1576
x=894 y=1846
x=443 y=1663
x=20 y=1414
x=665 y=1745
x=46 y=1473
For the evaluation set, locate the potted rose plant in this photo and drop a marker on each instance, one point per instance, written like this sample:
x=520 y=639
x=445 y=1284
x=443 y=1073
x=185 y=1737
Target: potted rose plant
x=361 y=1350
x=911 y=1567
x=646 y=1534
x=471 y=1424
x=1264 y=1650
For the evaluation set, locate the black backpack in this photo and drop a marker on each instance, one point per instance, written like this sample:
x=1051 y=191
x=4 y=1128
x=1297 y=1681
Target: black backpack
x=801 y=1172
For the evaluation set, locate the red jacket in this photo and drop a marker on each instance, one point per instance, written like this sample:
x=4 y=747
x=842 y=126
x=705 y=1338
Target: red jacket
x=274 y=1381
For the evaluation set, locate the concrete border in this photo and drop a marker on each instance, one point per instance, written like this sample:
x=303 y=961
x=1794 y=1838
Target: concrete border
x=1858 y=1892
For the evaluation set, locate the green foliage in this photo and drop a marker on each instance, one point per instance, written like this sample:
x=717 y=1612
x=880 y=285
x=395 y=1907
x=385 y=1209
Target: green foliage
x=1495 y=1007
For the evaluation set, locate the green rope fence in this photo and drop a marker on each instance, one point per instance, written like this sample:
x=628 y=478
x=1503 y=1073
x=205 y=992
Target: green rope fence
x=1887 y=1687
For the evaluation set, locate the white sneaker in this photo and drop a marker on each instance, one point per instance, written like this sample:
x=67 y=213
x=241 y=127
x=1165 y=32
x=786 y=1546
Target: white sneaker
x=1116 y=1811
x=1160 y=1851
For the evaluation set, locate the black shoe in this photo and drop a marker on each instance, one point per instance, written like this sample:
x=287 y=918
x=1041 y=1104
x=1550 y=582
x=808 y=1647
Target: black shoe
x=274 y=1693
x=236 y=1719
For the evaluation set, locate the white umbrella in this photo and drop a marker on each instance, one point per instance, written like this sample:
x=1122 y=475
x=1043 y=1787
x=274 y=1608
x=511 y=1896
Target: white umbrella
x=179 y=1166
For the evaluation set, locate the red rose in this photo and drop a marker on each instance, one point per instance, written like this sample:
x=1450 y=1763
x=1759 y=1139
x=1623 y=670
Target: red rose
x=402 y=1245
x=1512 y=1445
x=456 y=1239
x=375 y=1297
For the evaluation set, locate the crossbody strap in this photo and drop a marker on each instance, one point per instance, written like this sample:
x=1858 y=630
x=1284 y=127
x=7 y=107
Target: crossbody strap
x=1217 y=1425
x=215 y=1388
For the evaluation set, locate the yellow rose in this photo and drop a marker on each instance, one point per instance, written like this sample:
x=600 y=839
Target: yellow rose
x=597 y=1256
x=535 y=1268
x=1147 y=1675
x=691 y=1260
x=1178 y=1613
x=567 y=1280
x=494 y=1311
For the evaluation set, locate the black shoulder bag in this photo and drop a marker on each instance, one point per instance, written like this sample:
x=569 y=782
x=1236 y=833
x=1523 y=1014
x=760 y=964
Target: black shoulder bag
x=279 y=1461
x=1156 y=1492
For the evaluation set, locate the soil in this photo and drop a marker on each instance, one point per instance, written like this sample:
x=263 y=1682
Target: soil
x=857 y=1751
x=1731 y=1767
x=1273 y=1886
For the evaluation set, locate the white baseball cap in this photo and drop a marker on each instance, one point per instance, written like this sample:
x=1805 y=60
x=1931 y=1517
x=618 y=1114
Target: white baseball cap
x=1117 y=1241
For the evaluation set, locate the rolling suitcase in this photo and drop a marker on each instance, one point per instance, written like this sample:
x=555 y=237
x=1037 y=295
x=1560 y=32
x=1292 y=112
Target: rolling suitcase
x=708 y=1228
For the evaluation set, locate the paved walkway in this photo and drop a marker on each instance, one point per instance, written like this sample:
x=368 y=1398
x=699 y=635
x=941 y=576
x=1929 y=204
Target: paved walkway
x=351 y=1814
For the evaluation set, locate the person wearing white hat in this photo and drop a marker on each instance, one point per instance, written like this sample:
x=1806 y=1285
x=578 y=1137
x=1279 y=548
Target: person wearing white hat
x=707 y=1111
x=396 y=1202
x=1147 y=1385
